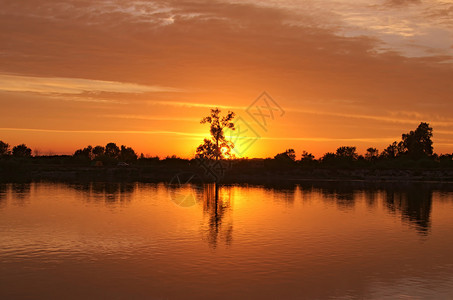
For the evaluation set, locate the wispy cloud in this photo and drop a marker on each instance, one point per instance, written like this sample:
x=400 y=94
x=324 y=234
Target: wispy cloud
x=150 y=132
x=194 y=104
x=414 y=28
x=401 y=2
x=58 y=85
x=328 y=139
x=392 y=117
x=150 y=118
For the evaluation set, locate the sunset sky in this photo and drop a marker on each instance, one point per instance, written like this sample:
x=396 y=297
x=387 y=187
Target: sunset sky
x=144 y=73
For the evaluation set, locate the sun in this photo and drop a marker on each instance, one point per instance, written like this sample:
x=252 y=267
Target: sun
x=226 y=153
x=224 y=150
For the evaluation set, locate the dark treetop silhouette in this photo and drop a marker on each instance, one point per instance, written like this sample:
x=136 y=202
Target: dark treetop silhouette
x=21 y=151
x=4 y=148
x=289 y=156
x=218 y=146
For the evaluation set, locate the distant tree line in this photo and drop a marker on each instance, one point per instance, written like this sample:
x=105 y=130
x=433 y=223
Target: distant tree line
x=108 y=154
x=414 y=146
x=415 y=149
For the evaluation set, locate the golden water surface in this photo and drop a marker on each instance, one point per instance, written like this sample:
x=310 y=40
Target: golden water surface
x=155 y=241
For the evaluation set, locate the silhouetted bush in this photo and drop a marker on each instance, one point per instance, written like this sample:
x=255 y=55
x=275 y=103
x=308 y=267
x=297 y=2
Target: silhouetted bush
x=4 y=149
x=288 y=157
x=21 y=151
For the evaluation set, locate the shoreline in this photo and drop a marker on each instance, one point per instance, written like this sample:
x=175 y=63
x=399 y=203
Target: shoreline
x=234 y=176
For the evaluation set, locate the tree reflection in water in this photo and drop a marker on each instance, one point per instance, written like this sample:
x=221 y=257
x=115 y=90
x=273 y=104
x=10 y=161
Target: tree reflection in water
x=412 y=200
x=414 y=204
x=217 y=215
x=21 y=192
x=109 y=193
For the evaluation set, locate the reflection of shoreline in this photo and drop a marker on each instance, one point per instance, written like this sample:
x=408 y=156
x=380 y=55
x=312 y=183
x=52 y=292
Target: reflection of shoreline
x=94 y=192
x=415 y=206
x=412 y=201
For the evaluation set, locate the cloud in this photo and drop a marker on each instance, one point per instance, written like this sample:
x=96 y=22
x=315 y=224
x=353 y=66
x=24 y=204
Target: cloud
x=322 y=139
x=407 y=26
x=399 y=117
x=194 y=104
x=401 y=2
x=150 y=132
x=152 y=118
x=50 y=85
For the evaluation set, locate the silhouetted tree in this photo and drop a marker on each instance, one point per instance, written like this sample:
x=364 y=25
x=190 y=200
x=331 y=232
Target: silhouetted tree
x=392 y=151
x=307 y=157
x=288 y=155
x=218 y=146
x=418 y=143
x=207 y=150
x=328 y=158
x=347 y=152
x=372 y=154
x=4 y=149
x=446 y=160
x=127 y=154
x=112 y=150
x=98 y=151
x=85 y=152
x=21 y=151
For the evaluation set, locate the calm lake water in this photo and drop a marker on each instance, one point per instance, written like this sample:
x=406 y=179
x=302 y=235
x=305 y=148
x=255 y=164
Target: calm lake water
x=152 y=241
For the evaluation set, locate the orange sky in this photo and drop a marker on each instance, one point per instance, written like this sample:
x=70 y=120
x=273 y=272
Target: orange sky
x=143 y=73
